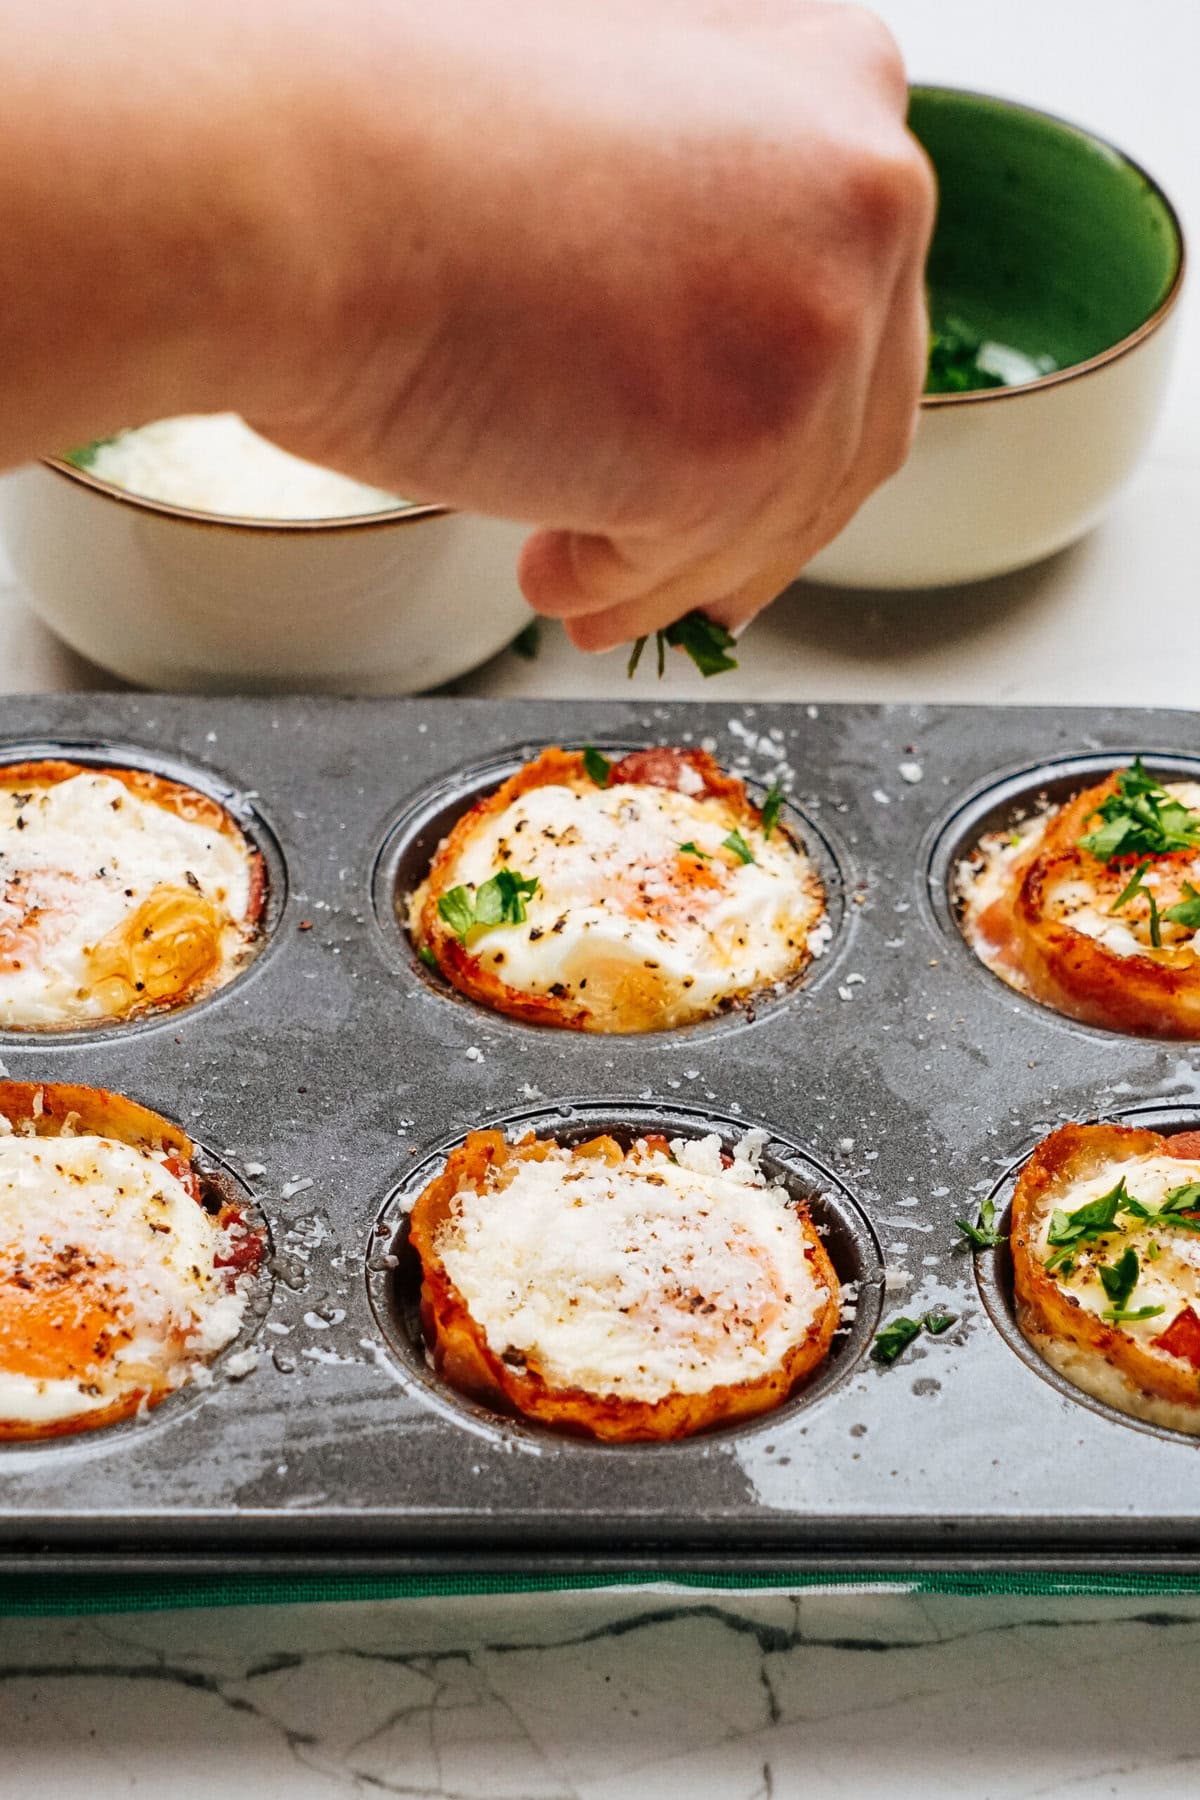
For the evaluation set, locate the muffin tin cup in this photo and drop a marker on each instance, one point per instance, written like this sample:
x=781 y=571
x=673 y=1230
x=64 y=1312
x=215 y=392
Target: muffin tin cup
x=394 y=1271
x=900 y=1078
x=98 y=752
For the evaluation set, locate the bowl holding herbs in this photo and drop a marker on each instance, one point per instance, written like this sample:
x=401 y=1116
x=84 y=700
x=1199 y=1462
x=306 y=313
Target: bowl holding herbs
x=1053 y=277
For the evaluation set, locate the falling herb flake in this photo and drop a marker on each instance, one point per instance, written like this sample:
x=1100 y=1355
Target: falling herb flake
x=528 y=641
x=770 y=808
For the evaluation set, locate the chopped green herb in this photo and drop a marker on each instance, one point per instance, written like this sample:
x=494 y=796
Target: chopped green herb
x=954 y=366
x=706 y=642
x=501 y=899
x=737 y=843
x=86 y=454
x=983 y=1236
x=1134 y=887
x=1120 y=1278
x=690 y=849
x=1152 y=1252
x=895 y=1338
x=1186 y=911
x=427 y=957
x=1155 y=927
x=528 y=642
x=1141 y=819
x=457 y=910
x=1091 y=1221
x=770 y=808
x=498 y=901
x=1119 y=1315
x=1177 y=1203
x=598 y=767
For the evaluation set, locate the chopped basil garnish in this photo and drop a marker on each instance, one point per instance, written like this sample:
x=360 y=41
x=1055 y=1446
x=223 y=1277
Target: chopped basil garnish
x=706 y=642
x=427 y=957
x=457 y=910
x=895 y=1338
x=737 y=843
x=1185 y=912
x=1119 y=1315
x=770 y=808
x=1134 y=887
x=1120 y=1278
x=598 y=767
x=1141 y=819
x=498 y=901
x=983 y=1236
x=690 y=849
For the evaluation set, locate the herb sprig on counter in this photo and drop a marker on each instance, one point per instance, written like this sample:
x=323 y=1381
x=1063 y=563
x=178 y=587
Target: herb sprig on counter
x=707 y=643
x=498 y=901
x=983 y=1236
x=1141 y=819
x=895 y=1337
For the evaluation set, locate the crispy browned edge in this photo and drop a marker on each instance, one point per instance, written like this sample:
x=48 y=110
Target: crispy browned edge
x=465 y=970
x=462 y=1357
x=1154 y=994
x=98 y=1111
x=1043 y=1305
x=175 y=796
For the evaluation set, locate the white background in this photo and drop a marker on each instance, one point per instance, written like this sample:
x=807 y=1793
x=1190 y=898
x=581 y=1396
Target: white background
x=650 y=1696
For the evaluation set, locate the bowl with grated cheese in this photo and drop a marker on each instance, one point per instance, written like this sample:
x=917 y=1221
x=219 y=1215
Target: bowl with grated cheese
x=191 y=554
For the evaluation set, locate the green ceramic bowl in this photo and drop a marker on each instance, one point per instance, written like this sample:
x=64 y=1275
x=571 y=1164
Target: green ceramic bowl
x=1062 y=261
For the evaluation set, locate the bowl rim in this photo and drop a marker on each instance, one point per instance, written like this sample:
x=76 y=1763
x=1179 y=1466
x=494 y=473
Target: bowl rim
x=1122 y=347
x=409 y=512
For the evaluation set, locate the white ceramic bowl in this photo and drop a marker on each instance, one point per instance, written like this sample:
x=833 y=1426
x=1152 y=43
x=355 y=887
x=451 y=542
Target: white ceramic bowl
x=175 y=600
x=1048 y=239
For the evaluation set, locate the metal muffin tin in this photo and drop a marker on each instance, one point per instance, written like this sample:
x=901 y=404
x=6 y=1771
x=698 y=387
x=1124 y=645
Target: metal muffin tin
x=900 y=1084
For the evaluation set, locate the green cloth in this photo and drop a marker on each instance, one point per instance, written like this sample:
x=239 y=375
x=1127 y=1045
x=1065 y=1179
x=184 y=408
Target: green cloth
x=33 y=1595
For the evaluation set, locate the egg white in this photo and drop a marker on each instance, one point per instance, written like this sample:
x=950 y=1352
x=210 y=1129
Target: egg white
x=601 y=857
x=642 y=1279
x=121 y=1204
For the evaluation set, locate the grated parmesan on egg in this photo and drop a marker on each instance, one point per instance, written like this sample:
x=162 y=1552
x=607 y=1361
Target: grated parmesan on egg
x=660 y=1274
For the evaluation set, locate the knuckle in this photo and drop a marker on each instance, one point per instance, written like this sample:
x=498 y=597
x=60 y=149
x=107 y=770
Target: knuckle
x=888 y=192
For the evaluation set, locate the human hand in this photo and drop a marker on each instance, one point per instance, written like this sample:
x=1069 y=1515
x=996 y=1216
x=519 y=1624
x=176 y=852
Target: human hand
x=680 y=317
x=645 y=273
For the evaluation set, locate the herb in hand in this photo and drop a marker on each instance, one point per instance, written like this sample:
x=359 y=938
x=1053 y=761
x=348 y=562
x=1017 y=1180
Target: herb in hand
x=707 y=643
x=983 y=1236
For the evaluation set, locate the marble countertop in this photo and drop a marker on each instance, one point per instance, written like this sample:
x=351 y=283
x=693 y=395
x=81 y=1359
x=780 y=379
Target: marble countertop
x=656 y=1695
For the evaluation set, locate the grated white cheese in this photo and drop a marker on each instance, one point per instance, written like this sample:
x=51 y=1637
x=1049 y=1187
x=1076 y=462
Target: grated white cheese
x=641 y=1279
